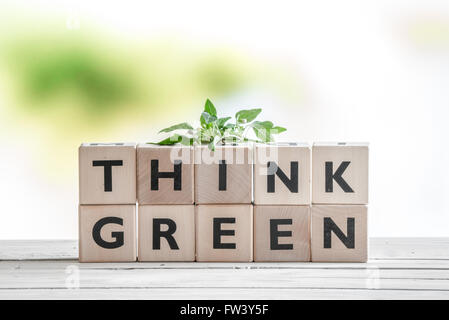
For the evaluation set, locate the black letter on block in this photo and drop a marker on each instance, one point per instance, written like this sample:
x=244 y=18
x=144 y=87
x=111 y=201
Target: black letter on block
x=218 y=232
x=96 y=233
x=337 y=176
x=157 y=233
x=222 y=175
x=330 y=226
x=176 y=175
x=107 y=164
x=291 y=184
x=275 y=234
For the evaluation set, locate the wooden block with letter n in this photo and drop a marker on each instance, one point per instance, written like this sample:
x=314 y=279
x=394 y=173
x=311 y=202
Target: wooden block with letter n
x=339 y=233
x=340 y=173
x=107 y=233
x=164 y=174
x=166 y=233
x=282 y=174
x=281 y=233
x=224 y=233
x=107 y=173
x=224 y=175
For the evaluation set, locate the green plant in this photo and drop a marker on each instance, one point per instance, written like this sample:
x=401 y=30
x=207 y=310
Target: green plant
x=215 y=130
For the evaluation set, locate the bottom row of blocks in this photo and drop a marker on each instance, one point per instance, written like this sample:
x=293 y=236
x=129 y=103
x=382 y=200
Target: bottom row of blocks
x=334 y=233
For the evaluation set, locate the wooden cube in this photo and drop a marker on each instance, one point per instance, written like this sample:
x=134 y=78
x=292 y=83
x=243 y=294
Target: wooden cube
x=107 y=233
x=224 y=233
x=166 y=233
x=281 y=233
x=224 y=175
x=340 y=173
x=339 y=233
x=107 y=173
x=282 y=174
x=164 y=174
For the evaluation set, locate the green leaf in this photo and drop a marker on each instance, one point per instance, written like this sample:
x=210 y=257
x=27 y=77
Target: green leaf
x=245 y=116
x=278 y=130
x=176 y=138
x=221 y=121
x=263 y=133
x=268 y=125
x=210 y=108
x=207 y=118
x=183 y=125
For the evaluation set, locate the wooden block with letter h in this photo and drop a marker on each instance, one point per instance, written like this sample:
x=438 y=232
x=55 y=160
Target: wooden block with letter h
x=164 y=174
x=282 y=174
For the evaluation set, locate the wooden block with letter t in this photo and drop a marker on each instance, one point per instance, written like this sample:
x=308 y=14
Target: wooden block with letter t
x=339 y=233
x=164 y=174
x=224 y=175
x=166 y=233
x=281 y=233
x=107 y=233
x=107 y=173
x=224 y=233
x=340 y=173
x=282 y=174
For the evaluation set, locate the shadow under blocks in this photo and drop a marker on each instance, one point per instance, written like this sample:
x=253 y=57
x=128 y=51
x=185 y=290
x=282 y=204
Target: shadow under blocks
x=239 y=203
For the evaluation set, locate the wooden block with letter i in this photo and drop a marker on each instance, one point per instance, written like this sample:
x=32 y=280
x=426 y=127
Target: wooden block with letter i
x=224 y=175
x=340 y=173
x=164 y=174
x=339 y=233
x=281 y=233
x=166 y=233
x=107 y=233
x=107 y=173
x=282 y=174
x=224 y=233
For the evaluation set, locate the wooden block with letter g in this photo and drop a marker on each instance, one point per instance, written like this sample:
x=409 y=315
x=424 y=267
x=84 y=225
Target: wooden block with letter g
x=166 y=233
x=164 y=174
x=224 y=175
x=224 y=233
x=340 y=173
x=339 y=233
x=282 y=174
x=107 y=233
x=281 y=233
x=107 y=173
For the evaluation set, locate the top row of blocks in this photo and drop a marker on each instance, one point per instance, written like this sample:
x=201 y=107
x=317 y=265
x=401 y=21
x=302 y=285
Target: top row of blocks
x=116 y=173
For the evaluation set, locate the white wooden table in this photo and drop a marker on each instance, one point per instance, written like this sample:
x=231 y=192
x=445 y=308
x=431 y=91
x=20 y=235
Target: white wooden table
x=399 y=268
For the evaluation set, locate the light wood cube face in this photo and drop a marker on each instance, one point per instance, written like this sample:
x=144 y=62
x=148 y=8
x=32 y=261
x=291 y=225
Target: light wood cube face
x=282 y=174
x=224 y=175
x=107 y=233
x=107 y=173
x=164 y=174
x=340 y=173
x=224 y=233
x=281 y=233
x=339 y=233
x=166 y=233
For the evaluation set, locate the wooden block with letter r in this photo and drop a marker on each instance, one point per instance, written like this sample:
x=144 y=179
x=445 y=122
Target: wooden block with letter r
x=224 y=233
x=339 y=233
x=281 y=233
x=340 y=173
x=282 y=174
x=107 y=173
x=107 y=233
x=224 y=175
x=164 y=174
x=166 y=233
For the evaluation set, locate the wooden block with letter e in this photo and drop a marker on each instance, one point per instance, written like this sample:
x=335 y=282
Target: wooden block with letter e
x=340 y=173
x=339 y=233
x=107 y=233
x=107 y=173
x=281 y=233
x=224 y=233
x=164 y=174
x=224 y=175
x=282 y=174
x=166 y=233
